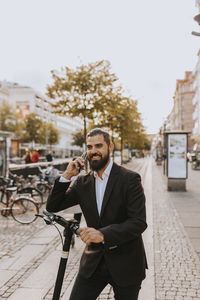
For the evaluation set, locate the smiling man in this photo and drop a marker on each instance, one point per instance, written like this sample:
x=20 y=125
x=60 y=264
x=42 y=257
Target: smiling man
x=113 y=203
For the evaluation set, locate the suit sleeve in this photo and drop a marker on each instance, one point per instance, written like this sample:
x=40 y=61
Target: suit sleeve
x=135 y=223
x=62 y=196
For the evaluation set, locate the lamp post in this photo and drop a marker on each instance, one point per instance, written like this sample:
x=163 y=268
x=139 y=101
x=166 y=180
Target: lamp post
x=46 y=137
x=47 y=121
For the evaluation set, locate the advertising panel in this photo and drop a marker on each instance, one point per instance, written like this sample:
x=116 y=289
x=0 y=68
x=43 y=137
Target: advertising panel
x=177 y=151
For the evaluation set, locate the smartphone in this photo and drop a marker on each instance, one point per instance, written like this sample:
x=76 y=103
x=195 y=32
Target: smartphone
x=84 y=155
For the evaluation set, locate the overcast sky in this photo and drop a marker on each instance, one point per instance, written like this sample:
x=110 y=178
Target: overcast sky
x=148 y=43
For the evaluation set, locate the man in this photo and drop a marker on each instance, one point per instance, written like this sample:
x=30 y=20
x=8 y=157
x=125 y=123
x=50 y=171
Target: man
x=27 y=157
x=49 y=156
x=113 y=203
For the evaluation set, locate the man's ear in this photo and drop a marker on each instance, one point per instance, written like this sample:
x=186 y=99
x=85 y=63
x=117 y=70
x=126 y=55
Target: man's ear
x=111 y=147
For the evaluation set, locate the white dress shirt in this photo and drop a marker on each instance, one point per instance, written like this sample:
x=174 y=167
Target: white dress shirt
x=100 y=184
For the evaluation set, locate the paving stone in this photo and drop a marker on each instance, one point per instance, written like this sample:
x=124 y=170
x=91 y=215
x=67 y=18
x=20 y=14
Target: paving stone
x=178 y=258
x=177 y=266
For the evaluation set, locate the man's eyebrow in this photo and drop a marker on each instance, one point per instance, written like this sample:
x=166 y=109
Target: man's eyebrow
x=96 y=145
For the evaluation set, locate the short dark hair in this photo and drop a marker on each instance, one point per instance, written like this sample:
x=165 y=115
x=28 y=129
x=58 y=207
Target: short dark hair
x=97 y=131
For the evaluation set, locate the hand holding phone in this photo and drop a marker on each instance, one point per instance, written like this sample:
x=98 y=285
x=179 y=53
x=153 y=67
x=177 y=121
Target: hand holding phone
x=84 y=156
x=75 y=166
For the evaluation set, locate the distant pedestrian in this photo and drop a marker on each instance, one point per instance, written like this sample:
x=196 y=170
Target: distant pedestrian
x=35 y=156
x=27 y=157
x=49 y=156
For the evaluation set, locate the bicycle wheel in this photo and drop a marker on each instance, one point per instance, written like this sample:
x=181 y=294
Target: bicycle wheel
x=42 y=187
x=45 y=190
x=23 y=210
x=35 y=194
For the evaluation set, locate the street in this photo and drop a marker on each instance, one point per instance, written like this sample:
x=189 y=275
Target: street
x=29 y=254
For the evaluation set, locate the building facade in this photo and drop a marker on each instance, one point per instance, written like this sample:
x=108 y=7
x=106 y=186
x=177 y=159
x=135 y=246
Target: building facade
x=196 y=100
x=198 y=4
x=26 y=100
x=183 y=106
x=181 y=116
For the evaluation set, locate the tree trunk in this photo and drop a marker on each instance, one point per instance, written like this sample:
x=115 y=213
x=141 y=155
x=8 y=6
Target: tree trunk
x=85 y=132
x=84 y=122
x=112 y=139
x=121 y=150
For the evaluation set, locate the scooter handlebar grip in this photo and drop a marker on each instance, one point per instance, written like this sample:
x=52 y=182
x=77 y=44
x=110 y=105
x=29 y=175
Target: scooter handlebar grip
x=78 y=232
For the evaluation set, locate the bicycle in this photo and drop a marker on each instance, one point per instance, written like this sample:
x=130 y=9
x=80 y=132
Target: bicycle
x=48 y=175
x=43 y=183
x=23 y=209
x=27 y=187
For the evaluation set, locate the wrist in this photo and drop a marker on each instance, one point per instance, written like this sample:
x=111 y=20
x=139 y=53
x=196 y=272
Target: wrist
x=67 y=175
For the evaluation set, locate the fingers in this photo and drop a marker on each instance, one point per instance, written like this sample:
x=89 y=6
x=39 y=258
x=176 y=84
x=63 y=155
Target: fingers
x=80 y=162
x=74 y=168
x=77 y=164
x=90 y=235
x=84 y=156
x=84 y=236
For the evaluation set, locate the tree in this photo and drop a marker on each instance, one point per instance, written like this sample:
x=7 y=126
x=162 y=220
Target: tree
x=19 y=126
x=40 y=132
x=11 y=121
x=52 y=134
x=78 y=138
x=119 y=113
x=33 y=127
x=7 y=117
x=79 y=92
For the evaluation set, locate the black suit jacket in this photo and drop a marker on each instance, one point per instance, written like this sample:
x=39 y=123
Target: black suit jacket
x=122 y=221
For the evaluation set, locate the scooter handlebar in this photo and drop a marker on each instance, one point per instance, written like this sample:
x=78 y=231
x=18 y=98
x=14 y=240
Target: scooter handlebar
x=49 y=218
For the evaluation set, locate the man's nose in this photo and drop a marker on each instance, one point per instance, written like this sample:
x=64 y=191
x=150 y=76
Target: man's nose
x=93 y=150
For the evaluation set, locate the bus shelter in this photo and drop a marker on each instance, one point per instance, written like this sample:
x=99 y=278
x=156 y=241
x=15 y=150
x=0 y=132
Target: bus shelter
x=176 y=144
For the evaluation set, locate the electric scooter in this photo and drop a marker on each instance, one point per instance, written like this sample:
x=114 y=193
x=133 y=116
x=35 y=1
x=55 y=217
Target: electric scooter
x=71 y=227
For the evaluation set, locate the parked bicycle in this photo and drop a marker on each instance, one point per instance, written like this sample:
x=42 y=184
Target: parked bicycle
x=49 y=174
x=27 y=186
x=47 y=178
x=22 y=208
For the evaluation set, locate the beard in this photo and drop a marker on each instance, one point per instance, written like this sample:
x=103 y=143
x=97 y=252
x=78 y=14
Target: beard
x=96 y=165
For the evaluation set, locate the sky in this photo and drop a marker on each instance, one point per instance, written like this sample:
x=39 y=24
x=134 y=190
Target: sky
x=148 y=43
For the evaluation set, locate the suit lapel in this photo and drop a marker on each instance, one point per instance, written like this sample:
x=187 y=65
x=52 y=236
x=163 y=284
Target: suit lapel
x=93 y=195
x=110 y=184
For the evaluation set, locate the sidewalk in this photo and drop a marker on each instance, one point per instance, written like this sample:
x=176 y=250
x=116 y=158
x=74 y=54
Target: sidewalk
x=177 y=265
x=29 y=271
x=188 y=207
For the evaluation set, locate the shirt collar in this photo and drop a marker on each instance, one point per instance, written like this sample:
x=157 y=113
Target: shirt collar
x=106 y=171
